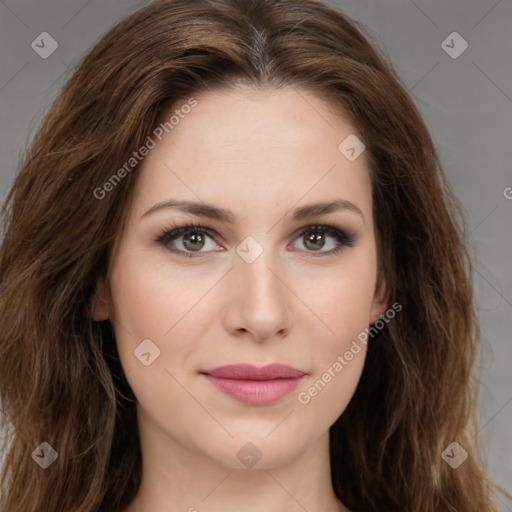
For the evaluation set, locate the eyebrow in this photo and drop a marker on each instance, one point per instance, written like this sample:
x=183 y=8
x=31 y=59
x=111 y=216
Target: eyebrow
x=210 y=211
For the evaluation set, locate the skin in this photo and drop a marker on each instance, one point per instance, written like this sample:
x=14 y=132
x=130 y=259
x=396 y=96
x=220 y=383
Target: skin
x=262 y=154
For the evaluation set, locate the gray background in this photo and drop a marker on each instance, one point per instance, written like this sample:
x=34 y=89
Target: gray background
x=466 y=101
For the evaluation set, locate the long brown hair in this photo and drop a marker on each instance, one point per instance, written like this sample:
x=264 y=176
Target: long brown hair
x=60 y=378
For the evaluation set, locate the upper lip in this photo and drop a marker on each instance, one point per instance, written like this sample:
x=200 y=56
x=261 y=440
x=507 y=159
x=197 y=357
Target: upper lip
x=252 y=372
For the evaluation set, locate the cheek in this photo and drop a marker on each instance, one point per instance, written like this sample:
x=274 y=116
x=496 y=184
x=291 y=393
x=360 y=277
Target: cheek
x=155 y=301
x=342 y=300
x=152 y=299
x=152 y=303
x=343 y=304
x=338 y=352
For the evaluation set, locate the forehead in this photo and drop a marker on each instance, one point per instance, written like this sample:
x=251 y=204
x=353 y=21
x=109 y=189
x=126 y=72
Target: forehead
x=251 y=150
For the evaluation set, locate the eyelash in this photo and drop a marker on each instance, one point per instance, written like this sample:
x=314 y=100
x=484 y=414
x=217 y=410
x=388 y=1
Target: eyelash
x=173 y=232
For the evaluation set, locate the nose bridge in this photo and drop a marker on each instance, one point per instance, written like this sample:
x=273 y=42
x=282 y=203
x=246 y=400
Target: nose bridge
x=258 y=277
x=260 y=303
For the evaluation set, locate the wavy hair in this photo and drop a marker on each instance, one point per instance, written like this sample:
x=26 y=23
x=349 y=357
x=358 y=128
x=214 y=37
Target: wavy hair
x=60 y=377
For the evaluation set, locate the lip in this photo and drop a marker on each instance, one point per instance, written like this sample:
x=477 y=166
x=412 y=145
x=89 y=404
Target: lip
x=255 y=385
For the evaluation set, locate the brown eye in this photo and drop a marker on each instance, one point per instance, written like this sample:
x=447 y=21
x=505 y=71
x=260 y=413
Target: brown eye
x=314 y=241
x=189 y=241
x=193 y=242
x=324 y=240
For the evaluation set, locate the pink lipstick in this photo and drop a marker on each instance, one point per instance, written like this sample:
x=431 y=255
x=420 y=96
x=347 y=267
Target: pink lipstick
x=254 y=385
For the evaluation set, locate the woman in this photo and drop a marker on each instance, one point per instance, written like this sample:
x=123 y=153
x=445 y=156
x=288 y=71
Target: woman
x=234 y=277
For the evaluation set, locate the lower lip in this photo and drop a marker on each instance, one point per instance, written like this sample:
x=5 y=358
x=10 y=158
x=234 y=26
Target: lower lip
x=255 y=392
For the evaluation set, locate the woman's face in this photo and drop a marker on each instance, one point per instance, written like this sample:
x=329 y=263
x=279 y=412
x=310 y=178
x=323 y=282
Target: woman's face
x=257 y=284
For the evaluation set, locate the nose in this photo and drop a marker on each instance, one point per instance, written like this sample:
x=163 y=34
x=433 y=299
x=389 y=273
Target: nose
x=259 y=303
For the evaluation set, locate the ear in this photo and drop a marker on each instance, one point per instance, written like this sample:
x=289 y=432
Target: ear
x=99 y=302
x=380 y=300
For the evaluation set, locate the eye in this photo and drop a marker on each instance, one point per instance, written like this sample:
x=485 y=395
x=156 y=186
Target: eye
x=187 y=240
x=318 y=237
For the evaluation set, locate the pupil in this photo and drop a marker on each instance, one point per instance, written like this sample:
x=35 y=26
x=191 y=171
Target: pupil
x=315 y=238
x=193 y=239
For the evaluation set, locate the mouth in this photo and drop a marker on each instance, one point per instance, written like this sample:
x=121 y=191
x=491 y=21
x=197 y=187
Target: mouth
x=254 y=385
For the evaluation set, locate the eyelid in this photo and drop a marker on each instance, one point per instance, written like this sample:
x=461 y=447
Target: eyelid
x=330 y=229
x=175 y=231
